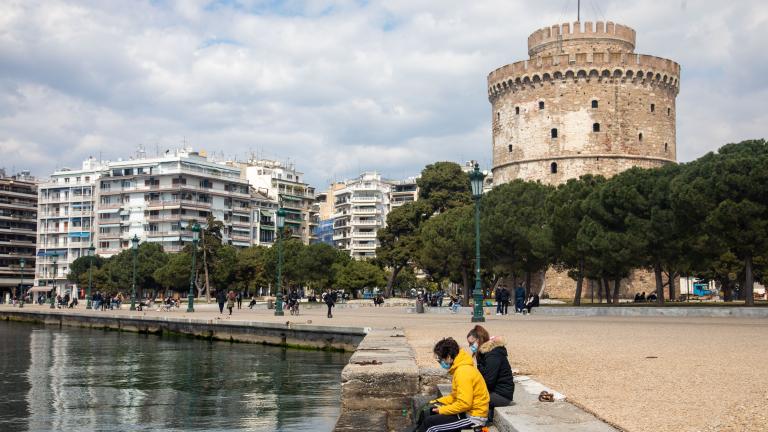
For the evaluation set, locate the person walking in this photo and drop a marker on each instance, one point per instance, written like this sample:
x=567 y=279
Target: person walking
x=239 y=299
x=330 y=301
x=505 y=296
x=499 y=304
x=231 y=298
x=221 y=298
x=491 y=355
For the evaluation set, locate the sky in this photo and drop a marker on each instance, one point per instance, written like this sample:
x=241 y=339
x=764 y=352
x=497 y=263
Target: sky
x=334 y=87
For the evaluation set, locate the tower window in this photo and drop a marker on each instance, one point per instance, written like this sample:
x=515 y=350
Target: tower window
x=666 y=147
x=509 y=147
x=498 y=116
x=595 y=127
x=669 y=110
x=594 y=103
x=553 y=132
x=517 y=110
x=541 y=105
x=653 y=107
x=553 y=168
x=640 y=136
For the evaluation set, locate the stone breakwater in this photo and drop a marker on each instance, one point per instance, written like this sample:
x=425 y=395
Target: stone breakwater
x=288 y=334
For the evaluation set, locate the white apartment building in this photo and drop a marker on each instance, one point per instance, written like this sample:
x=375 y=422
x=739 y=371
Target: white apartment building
x=281 y=182
x=65 y=220
x=403 y=191
x=360 y=210
x=153 y=198
x=263 y=217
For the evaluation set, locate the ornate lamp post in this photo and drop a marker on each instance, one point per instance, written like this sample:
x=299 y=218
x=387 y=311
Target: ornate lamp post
x=54 y=259
x=191 y=296
x=135 y=249
x=91 y=254
x=279 y=294
x=476 y=179
x=22 y=263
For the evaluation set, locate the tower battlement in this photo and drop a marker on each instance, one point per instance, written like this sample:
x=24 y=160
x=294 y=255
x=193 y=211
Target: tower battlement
x=560 y=38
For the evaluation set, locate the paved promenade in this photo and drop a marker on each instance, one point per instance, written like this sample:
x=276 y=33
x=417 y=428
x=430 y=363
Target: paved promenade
x=641 y=374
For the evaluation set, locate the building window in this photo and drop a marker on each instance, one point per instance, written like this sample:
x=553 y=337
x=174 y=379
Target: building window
x=595 y=127
x=669 y=110
x=541 y=105
x=594 y=103
x=498 y=116
x=653 y=107
x=553 y=167
x=666 y=147
x=553 y=132
x=517 y=110
x=640 y=136
x=509 y=147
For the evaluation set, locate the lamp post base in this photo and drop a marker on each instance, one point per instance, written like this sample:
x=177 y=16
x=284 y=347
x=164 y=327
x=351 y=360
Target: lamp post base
x=478 y=319
x=88 y=305
x=190 y=303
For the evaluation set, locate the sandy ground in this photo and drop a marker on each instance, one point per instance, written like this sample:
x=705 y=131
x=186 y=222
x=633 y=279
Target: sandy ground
x=640 y=374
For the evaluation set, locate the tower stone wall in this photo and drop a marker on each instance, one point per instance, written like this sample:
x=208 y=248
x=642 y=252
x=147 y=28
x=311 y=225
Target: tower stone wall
x=583 y=103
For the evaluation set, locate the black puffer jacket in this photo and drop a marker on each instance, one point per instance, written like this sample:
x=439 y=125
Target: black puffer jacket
x=493 y=364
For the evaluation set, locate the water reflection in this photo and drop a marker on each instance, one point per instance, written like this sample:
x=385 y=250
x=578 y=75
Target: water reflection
x=77 y=379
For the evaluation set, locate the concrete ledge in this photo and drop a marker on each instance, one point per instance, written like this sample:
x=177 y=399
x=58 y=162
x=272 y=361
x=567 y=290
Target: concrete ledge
x=625 y=311
x=289 y=334
x=382 y=376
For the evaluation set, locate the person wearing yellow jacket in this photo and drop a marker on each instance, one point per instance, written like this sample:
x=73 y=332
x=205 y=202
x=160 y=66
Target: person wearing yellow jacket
x=467 y=405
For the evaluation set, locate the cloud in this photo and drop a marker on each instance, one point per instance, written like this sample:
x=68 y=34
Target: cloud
x=334 y=86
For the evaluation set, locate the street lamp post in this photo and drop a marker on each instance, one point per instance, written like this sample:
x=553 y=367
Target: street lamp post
x=22 y=263
x=91 y=256
x=135 y=248
x=54 y=259
x=191 y=296
x=279 y=293
x=476 y=179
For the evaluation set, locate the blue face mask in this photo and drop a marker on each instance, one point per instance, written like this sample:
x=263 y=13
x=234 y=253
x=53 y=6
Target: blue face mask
x=444 y=364
x=473 y=347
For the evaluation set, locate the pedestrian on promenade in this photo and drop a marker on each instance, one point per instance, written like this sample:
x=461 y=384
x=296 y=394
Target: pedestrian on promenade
x=231 y=297
x=239 y=299
x=467 y=405
x=505 y=296
x=491 y=355
x=221 y=298
x=497 y=296
x=519 y=299
x=253 y=302
x=533 y=301
x=330 y=301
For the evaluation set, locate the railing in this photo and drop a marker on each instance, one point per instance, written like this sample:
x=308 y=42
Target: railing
x=110 y=205
x=196 y=203
x=152 y=218
x=365 y=222
x=365 y=211
x=241 y=237
x=364 y=234
x=162 y=203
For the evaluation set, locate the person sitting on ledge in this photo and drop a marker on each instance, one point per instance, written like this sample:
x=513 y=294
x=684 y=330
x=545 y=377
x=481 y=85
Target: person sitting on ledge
x=492 y=362
x=467 y=405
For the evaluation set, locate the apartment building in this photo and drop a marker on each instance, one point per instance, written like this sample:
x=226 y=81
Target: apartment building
x=263 y=217
x=283 y=183
x=403 y=191
x=18 y=225
x=153 y=198
x=360 y=209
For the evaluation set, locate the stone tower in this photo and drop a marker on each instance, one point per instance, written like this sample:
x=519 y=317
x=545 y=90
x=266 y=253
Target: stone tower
x=583 y=103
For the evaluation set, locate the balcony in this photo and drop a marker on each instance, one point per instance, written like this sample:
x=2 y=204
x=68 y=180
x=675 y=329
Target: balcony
x=371 y=234
x=110 y=205
x=340 y=236
x=238 y=237
x=366 y=222
x=367 y=246
x=198 y=204
x=162 y=203
x=357 y=210
x=164 y=218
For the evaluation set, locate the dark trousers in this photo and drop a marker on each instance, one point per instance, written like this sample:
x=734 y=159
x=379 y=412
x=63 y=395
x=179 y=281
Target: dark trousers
x=330 y=315
x=499 y=307
x=239 y=303
x=496 y=401
x=221 y=308
x=505 y=307
x=445 y=423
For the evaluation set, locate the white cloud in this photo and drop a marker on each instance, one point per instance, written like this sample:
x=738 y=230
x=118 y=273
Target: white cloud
x=336 y=86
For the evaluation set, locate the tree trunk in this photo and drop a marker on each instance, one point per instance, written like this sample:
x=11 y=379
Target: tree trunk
x=391 y=281
x=205 y=269
x=579 y=282
x=599 y=290
x=607 y=288
x=616 y=289
x=514 y=281
x=659 y=283
x=671 y=276
x=749 y=283
x=465 y=283
x=527 y=284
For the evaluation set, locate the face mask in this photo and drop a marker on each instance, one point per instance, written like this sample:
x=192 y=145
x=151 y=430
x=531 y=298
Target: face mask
x=473 y=347
x=444 y=364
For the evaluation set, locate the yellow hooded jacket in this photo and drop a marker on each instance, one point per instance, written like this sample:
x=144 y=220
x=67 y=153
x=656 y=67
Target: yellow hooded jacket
x=468 y=391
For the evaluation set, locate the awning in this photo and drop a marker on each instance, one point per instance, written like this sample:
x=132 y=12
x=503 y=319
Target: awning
x=112 y=210
x=82 y=234
x=40 y=289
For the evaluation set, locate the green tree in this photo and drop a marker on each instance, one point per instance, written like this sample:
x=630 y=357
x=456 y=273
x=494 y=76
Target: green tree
x=251 y=268
x=515 y=235
x=357 y=275
x=174 y=274
x=448 y=247
x=78 y=270
x=315 y=264
x=566 y=209
x=399 y=240
x=444 y=185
